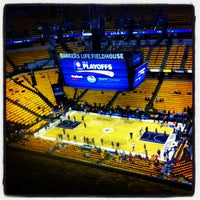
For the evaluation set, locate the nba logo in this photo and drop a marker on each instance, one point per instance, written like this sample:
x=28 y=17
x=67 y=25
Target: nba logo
x=77 y=65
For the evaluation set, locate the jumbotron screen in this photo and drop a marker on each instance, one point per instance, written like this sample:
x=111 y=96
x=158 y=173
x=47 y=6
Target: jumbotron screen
x=95 y=71
x=139 y=75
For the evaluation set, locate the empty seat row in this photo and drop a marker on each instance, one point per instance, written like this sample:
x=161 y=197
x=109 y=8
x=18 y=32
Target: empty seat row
x=175 y=94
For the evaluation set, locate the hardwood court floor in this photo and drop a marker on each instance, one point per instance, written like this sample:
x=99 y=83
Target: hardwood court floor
x=111 y=129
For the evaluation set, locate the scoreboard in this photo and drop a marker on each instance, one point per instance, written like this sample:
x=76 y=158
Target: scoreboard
x=106 y=71
x=139 y=75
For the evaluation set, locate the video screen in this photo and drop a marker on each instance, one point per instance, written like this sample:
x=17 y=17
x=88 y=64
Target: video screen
x=97 y=74
x=137 y=59
x=139 y=75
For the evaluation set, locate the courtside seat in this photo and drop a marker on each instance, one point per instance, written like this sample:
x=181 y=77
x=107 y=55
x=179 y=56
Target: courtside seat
x=138 y=166
x=34 y=144
x=75 y=152
x=71 y=151
x=36 y=126
x=94 y=156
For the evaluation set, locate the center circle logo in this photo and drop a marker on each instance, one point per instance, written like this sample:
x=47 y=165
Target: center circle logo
x=107 y=130
x=91 y=79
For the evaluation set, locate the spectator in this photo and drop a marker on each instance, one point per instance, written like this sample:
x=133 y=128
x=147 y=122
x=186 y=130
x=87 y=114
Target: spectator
x=156 y=157
x=117 y=144
x=170 y=169
x=51 y=149
x=131 y=135
x=83 y=118
x=133 y=146
x=158 y=152
x=156 y=162
x=131 y=159
x=175 y=123
x=162 y=171
x=118 y=158
x=112 y=143
x=146 y=154
x=68 y=137
x=86 y=155
x=123 y=157
x=93 y=142
x=141 y=129
x=99 y=150
x=101 y=141
x=102 y=155
x=164 y=154
x=127 y=116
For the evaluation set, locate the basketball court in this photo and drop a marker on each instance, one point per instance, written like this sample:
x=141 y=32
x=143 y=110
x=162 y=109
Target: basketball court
x=111 y=133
